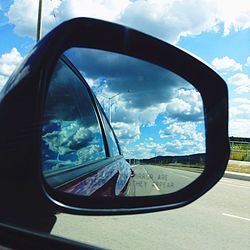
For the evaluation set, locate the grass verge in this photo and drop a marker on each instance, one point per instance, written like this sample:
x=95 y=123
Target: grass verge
x=238 y=168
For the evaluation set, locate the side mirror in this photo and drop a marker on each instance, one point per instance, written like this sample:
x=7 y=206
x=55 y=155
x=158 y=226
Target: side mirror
x=83 y=155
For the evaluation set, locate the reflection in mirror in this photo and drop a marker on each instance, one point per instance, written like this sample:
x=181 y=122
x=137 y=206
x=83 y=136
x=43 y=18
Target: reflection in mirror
x=157 y=116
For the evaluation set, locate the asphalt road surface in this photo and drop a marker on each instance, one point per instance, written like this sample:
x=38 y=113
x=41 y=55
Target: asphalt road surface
x=156 y=180
x=218 y=220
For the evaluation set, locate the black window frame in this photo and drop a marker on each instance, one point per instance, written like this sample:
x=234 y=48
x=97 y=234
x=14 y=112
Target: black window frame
x=97 y=107
x=104 y=116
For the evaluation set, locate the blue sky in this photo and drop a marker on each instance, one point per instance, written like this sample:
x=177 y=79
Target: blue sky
x=219 y=33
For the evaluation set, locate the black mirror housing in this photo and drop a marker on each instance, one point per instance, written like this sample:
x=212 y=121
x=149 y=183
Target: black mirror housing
x=22 y=101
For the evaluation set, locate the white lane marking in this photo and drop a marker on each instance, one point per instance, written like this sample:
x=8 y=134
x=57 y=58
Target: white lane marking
x=156 y=187
x=235 y=216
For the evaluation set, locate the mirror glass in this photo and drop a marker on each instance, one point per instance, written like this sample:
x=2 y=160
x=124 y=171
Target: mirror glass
x=139 y=131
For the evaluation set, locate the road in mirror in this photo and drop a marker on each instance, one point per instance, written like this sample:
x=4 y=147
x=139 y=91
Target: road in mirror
x=156 y=115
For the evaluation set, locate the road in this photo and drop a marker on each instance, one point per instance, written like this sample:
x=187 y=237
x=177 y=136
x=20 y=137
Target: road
x=218 y=220
x=156 y=180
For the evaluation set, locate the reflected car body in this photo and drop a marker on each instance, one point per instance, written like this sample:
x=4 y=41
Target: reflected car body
x=109 y=179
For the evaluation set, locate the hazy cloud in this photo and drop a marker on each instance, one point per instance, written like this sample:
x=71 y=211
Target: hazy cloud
x=241 y=100
x=242 y=110
x=243 y=124
x=242 y=81
x=239 y=117
x=226 y=64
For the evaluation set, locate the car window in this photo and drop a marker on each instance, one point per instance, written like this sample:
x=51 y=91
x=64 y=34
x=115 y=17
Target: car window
x=71 y=134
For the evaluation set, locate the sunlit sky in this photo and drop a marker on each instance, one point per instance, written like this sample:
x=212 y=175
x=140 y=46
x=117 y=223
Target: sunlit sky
x=217 y=31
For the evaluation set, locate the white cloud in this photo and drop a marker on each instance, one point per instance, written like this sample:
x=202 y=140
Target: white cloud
x=184 y=130
x=234 y=14
x=185 y=147
x=72 y=139
x=126 y=131
x=137 y=123
x=226 y=64
x=243 y=89
x=239 y=79
x=239 y=117
x=121 y=114
x=8 y=62
x=241 y=100
x=184 y=137
x=105 y=9
x=145 y=150
x=239 y=127
x=242 y=81
x=23 y=14
x=149 y=148
x=131 y=124
x=185 y=105
x=242 y=111
x=248 y=61
x=168 y=20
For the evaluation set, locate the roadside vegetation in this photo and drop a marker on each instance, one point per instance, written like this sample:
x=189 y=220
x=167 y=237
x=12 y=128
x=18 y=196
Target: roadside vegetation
x=238 y=168
x=240 y=152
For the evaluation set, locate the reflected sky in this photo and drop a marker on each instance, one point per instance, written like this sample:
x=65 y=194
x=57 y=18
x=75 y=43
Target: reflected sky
x=154 y=111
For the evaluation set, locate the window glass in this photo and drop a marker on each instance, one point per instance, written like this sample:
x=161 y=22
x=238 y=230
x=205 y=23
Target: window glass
x=71 y=134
